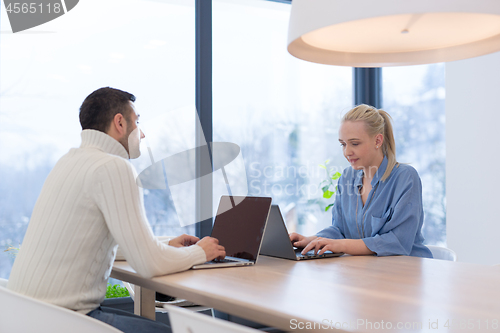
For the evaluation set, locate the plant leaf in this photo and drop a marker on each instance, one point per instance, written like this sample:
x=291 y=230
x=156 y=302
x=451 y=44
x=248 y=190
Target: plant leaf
x=328 y=207
x=336 y=175
x=328 y=194
x=116 y=290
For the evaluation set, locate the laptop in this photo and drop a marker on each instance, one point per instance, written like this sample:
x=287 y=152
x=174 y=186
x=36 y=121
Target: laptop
x=277 y=243
x=239 y=226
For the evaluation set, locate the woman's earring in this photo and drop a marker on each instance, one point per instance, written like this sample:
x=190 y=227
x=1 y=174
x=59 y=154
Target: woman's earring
x=376 y=147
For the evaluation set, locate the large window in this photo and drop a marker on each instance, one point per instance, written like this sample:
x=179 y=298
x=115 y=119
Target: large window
x=144 y=47
x=283 y=112
x=415 y=98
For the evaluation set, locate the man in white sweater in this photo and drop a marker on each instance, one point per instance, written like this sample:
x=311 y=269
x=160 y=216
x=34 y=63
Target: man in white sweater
x=89 y=204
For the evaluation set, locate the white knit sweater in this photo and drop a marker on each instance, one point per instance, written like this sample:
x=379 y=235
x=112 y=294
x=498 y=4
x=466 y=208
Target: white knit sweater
x=90 y=203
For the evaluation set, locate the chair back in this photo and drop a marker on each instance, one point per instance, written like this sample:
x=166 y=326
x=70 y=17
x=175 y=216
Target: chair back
x=442 y=253
x=185 y=321
x=19 y=313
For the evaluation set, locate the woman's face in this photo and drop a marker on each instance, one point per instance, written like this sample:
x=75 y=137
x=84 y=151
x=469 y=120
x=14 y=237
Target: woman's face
x=358 y=147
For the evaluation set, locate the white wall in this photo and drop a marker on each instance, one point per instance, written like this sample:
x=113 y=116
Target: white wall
x=473 y=158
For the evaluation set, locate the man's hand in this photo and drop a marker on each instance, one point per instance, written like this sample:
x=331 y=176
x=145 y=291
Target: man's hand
x=300 y=241
x=212 y=248
x=183 y=240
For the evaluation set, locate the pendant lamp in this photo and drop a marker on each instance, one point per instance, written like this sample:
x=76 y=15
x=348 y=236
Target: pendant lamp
x=379 y=33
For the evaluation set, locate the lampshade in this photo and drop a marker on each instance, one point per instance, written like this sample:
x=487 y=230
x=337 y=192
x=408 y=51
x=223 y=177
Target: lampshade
x=379 y=33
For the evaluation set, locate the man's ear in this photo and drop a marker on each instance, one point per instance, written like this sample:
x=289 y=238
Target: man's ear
x=119 y=124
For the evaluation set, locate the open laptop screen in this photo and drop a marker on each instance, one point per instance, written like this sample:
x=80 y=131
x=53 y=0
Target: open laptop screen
x=240 y=223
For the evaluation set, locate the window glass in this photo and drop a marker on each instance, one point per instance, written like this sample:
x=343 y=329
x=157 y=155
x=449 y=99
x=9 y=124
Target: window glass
x=283 y=112
x=144 y=47
x=415 y=98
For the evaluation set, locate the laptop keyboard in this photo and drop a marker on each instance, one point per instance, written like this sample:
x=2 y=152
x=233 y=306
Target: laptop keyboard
x=309 y=254
x=217 y=261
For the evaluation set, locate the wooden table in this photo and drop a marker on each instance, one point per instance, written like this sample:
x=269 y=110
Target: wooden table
x=356 y=294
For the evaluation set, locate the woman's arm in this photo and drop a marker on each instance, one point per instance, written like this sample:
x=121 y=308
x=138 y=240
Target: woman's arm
x=334 y=231
x=398 y=230
x=350 y=246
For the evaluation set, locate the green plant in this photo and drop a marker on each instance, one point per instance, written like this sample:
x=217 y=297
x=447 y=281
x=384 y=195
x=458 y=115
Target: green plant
x=327 y=185
x=115 y=290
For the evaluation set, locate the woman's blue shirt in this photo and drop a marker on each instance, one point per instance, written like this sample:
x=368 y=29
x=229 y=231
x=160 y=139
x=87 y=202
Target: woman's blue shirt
x=390 y=222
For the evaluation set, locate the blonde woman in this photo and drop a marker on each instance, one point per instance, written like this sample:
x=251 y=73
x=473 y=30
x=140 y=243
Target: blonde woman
x=378 y=205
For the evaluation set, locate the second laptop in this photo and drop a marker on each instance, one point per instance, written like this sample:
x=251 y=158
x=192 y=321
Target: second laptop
x=276 y=242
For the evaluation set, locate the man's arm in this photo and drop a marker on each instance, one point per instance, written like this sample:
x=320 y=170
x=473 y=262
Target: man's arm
x=120 y=200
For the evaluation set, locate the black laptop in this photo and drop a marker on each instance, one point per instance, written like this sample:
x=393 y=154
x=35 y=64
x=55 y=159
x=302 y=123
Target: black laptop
x=239 y=226
x=277 y=243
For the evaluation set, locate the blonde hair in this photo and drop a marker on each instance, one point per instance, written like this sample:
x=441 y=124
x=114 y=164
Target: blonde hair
x=377 y=122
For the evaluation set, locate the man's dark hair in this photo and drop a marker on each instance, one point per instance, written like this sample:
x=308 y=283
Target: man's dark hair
x=100 y=107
